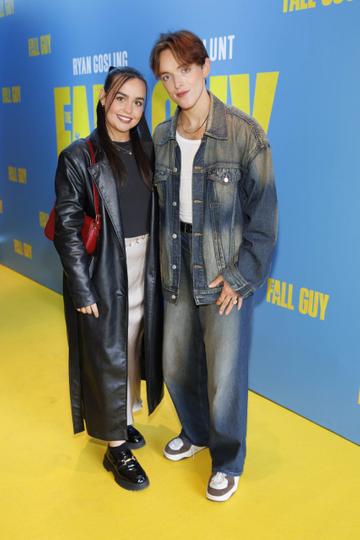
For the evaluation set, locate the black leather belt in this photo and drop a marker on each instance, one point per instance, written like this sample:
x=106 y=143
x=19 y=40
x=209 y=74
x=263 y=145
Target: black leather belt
x=185 y=227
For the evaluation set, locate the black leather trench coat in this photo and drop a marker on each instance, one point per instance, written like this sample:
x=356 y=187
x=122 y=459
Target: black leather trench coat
x=98 y=347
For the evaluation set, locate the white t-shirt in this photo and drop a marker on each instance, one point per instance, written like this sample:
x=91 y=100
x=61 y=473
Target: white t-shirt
x=188 y=148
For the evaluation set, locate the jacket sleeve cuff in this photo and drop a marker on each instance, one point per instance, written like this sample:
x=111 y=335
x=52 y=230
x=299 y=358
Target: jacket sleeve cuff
x=82 y=298
x=236 y=281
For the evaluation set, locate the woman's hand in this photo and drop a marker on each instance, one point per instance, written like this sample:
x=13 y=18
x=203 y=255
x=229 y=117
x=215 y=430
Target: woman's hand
x=89 y=310
x=228 y=297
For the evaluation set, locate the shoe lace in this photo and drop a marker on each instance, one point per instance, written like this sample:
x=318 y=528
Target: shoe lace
x=218 y=478
x=176 y=444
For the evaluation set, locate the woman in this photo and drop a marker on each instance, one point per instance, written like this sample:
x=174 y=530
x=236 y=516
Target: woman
x=113 y=305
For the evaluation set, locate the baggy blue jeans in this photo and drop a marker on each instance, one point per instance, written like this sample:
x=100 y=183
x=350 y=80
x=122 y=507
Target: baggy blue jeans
x=206 y=371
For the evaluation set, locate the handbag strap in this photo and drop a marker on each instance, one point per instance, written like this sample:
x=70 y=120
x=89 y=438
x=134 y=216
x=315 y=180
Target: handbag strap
x=95 y=191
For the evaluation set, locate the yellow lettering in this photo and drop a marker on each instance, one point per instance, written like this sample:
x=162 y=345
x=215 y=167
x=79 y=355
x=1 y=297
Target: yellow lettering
x=313 y=305
x=16 y=94
x=283 y=294
x=45 y=44
x=294 y=5
x=311 y=4
x=63 y=136
x=79 y=117
x=33 y=45
x=160 y=102
x=43 y=217
x=289 y=303
x=22 y=176
x=303 y=300
x=274 y=292
x=96 y=94
x=280 y=293
x=270 y=287
x=6 y=94
x=12 y=174
x=1 y=206
x=80 y=126
x=28 y=251
x=265 y=89
x=240 y=91
x=324 y=300
x=218 y=86
x=9 y=7
x=18 y=247
x=310 y=302
x=285 y=6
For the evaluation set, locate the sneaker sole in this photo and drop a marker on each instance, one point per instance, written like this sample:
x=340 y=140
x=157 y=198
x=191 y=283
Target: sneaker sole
x=123 y=483
x=184 y=455
x=222 y=498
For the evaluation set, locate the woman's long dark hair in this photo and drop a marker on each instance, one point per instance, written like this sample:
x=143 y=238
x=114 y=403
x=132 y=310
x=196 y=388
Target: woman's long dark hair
x=113 y=82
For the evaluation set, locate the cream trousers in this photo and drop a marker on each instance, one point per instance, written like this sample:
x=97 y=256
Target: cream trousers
x=135 y=260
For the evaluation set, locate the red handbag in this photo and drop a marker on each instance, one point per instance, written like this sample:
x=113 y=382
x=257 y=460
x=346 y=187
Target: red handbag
x=91 y=226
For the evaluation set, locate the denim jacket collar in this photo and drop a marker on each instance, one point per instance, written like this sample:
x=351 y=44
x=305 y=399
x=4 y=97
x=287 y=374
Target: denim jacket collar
x=216 y=125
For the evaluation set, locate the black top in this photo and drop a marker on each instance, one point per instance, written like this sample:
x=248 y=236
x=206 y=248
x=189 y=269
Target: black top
x=135 y=196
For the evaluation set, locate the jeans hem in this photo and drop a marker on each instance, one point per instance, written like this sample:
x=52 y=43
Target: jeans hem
x=183 y=436
x=226 y=471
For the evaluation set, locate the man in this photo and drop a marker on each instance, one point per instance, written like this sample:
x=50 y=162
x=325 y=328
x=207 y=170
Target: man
x=217 y=198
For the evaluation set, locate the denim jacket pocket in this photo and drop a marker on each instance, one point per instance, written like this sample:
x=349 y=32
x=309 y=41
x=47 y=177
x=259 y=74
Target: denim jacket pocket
x=223 y=185
x=224 y=175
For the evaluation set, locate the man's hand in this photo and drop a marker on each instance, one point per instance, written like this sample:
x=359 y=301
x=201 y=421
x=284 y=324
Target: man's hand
x=89 y=310
x=228 y=297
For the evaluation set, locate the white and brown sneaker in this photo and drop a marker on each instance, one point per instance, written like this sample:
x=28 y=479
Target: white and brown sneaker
x=221 y=486
x=180 y=448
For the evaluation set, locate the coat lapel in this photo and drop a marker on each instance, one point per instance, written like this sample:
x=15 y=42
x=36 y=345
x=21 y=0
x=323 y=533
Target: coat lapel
x=104 y=180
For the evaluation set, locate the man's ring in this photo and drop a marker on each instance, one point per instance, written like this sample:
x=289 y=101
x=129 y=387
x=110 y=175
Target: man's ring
x=235 y=300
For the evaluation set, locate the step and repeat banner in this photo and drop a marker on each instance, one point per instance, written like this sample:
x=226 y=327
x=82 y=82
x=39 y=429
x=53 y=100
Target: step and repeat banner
x=294 y=66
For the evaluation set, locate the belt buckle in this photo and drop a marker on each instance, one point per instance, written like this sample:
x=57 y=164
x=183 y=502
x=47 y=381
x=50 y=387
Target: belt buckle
x=186 y=227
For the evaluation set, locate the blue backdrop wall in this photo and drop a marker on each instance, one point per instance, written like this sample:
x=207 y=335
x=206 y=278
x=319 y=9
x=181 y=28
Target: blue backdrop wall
x=293 y=64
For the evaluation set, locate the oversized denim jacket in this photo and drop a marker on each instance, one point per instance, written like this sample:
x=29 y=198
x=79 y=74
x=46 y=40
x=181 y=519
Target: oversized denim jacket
x=234 y=205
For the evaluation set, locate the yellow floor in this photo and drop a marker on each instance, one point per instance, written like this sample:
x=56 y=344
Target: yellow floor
x=301 y=482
